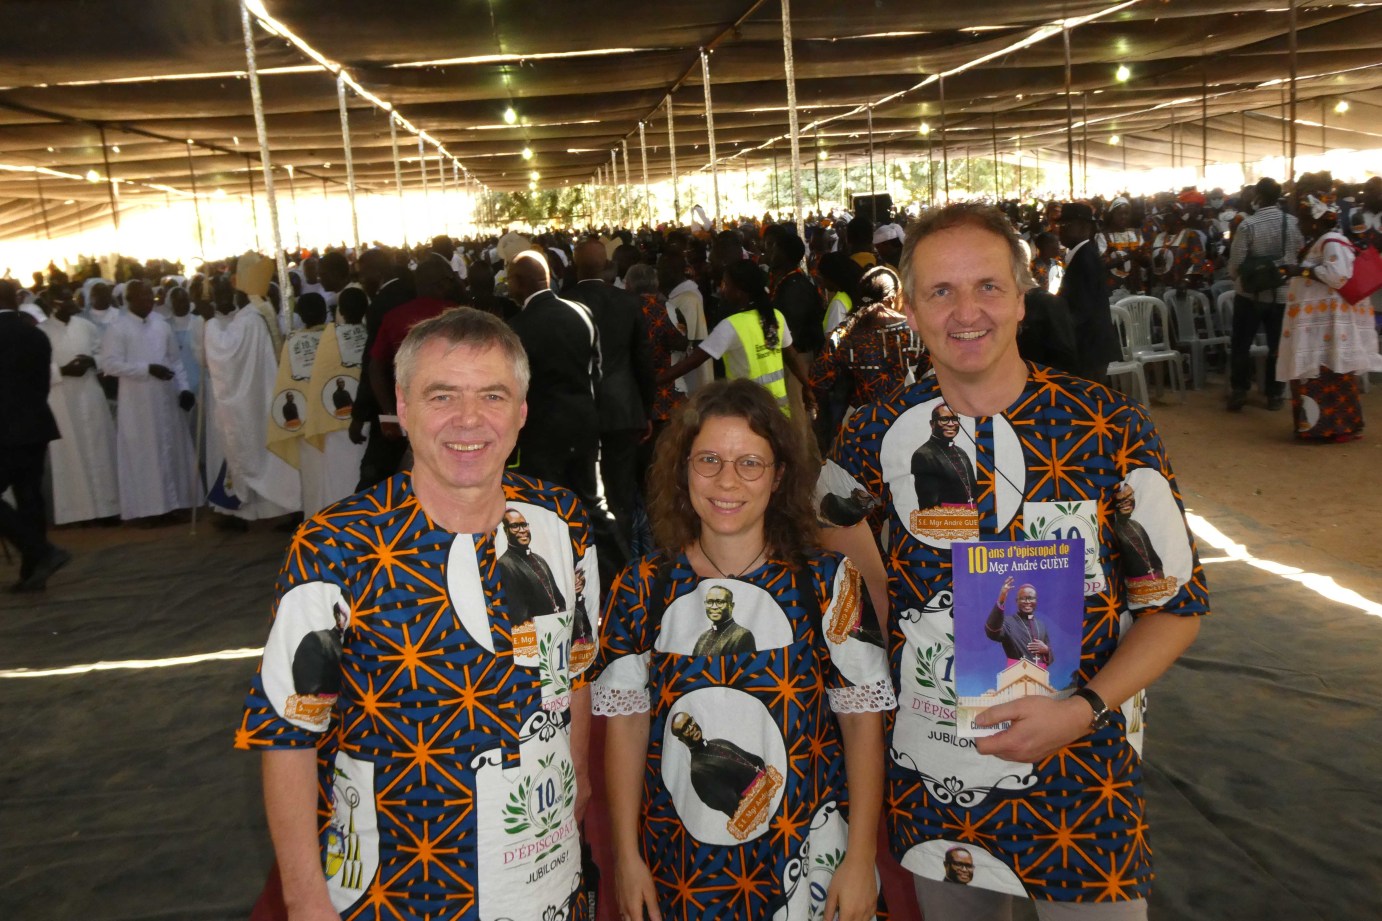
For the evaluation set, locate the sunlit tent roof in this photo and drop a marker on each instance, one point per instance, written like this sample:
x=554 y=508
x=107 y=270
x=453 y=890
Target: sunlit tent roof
x=1207 y=79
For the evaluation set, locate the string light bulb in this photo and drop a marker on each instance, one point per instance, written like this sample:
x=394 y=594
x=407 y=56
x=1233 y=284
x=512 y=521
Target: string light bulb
x=1122 y=73
x=510 y=116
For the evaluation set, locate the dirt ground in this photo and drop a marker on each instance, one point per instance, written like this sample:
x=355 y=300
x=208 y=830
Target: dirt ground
x=1305 y=505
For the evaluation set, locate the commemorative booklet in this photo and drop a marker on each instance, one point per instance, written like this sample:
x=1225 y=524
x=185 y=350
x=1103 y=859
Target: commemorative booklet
x=1019 y=619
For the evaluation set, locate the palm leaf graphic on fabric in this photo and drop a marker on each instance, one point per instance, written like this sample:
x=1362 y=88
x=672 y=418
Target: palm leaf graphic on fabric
x=518 y=818
x=830 y=860
x=545 y=642
x=928 y=675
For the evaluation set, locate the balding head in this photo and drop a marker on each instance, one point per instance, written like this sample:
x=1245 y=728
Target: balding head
x=527 y=275
x=591 y=259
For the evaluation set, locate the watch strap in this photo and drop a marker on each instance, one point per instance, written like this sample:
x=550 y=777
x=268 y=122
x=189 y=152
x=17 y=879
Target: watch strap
x=1096 y=703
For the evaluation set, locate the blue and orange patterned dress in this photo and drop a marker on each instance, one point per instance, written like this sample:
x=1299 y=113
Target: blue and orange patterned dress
x=745 y=808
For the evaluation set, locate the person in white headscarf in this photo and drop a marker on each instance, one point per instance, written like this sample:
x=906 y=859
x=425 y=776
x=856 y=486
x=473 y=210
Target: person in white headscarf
x=1121 y=247
x=1325 y=341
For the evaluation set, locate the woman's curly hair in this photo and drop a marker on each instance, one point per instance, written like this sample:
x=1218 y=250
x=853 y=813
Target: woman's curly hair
x=790 y=523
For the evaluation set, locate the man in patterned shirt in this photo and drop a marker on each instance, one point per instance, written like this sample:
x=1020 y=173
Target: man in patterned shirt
x=1050 y=808
x=441 y=772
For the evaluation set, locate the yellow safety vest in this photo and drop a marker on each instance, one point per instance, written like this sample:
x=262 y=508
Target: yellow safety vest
x=849 y=308
x=765 y=363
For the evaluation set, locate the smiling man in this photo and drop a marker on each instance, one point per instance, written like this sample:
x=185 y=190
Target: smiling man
x=445 y=728
x=1050 y=451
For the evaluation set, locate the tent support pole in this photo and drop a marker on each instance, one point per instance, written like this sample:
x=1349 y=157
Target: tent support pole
x=110 y=181
x=672 y=149
x=196 y=202
x=816 y=167
x=254 y=200
x=293 y=196
x=1204 y=121
x=794 y=128
x=777 y=202
x=931 y=170
x=945 y=148
x=1243 y=144
x=441 y=189
x=261 y=130
x=993 y=134
x=1291 y=157
x=643 y=155
x=710 y=137
x=1084 y=144
x=43 y=207
x=628 y=198
x=398 y=178
x=426 y=194
x=349 y=158
x=873 y=190
x=1069 y=116
x=614 y=209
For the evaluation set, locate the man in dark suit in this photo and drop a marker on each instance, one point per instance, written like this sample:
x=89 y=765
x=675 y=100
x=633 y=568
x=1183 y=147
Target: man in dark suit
x=387 y=287
x=625 y=394
x=1085 y=291
x=26 y=427
x=560 y=441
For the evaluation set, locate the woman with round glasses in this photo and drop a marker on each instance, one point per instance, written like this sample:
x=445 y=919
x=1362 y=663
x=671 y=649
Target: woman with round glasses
x=744 y=678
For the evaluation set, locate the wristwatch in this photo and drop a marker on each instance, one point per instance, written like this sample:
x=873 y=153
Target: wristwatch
x=1102 y=713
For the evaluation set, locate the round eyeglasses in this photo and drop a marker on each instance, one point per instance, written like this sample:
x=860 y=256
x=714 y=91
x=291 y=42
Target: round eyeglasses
x=750 y=467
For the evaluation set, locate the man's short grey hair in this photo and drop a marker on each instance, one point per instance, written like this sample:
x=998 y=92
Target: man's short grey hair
x=463 y=326
x=964 y=214
x=641 y=279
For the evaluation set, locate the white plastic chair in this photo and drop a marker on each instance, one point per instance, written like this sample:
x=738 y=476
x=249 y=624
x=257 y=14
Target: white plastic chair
x=1129 y=367
x=1259 y=349
x=1153 y=348
x=1198 y=337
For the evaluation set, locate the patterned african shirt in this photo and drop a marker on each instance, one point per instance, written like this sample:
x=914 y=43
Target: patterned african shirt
x=447 y=787
x=662 y=334
x=1126 y=243
x=1041 y=272
x=1180 y=257
x=1070 y=828
x=873 y=360
x=750 y=819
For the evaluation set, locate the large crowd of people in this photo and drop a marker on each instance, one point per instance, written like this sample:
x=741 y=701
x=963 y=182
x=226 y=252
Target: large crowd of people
x=712 y=484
